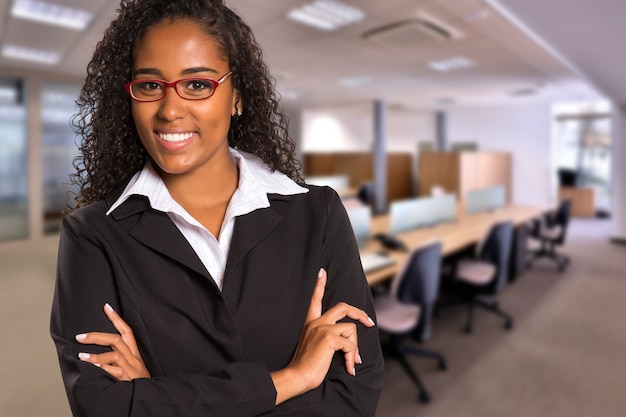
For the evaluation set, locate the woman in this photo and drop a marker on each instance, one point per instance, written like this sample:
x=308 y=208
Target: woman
x=193 y=234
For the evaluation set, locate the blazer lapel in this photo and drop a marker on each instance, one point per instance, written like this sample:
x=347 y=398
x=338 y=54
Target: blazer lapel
x=157 y=231
x=249 y=230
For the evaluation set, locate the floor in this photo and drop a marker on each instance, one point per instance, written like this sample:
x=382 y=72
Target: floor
x=564 y=357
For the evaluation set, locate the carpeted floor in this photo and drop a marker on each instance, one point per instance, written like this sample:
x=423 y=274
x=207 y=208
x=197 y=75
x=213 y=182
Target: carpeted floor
x=565 y=356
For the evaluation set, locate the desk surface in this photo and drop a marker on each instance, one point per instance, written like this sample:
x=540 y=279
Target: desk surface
x=466 y=230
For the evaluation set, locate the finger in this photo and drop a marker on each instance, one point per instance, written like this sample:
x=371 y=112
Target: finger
x=350 y=351
x=121 y=326
x=114 y=363
x=107 y=358
x=342 y=310
x=116 y=372
x=112 y=340
x=349 y=332
x=315 y=308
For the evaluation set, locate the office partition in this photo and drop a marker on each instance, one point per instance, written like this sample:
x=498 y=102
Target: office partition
x=360 y=219
x=485 y=199
x=421 y=212
x=336 y=182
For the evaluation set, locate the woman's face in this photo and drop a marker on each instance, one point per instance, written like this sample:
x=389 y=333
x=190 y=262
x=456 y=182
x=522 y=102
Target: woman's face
x=183 y=136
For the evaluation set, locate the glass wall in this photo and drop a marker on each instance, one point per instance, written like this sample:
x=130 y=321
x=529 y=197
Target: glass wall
x=583 y=146
x=58 y=149
x=13 y=160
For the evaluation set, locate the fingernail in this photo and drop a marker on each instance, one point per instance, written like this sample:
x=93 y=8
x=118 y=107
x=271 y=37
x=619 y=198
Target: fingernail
x=81 y=336
x=353 y=371
x=358 y=359
x=371 y=321
x=108 y=307
x=83 y=356
x=97 y=364
x=321 y=273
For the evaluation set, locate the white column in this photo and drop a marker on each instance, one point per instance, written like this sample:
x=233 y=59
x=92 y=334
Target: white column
x=380 y=156
x=35 y=160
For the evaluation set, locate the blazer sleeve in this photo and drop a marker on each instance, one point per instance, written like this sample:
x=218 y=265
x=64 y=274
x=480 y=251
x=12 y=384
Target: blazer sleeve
x=343 y=394
x=85 y=281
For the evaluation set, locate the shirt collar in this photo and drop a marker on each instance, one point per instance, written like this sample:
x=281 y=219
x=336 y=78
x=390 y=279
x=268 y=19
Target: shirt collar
x=256 y=181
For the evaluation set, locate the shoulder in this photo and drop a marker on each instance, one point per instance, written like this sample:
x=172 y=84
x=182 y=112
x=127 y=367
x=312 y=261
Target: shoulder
x=321 y=197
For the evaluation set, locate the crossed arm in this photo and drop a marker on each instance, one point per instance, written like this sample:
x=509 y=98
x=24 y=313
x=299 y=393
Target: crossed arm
x=322 y=335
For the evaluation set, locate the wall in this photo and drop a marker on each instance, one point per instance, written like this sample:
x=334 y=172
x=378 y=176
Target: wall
x=618 y=165
x=351 y=128
x=525 y=132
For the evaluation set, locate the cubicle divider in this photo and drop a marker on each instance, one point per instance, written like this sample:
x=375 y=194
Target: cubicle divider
x=485 y=199
x=359 y=168
x=360 y=219
x=421 y=212
x=336 y=182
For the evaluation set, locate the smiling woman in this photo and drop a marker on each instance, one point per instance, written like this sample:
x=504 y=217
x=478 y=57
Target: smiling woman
x=180 y=290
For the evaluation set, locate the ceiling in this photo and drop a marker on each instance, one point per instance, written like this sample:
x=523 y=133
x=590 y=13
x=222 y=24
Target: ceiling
x=314 y=67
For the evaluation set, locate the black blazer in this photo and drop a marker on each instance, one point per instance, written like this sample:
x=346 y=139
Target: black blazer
x=209 y=352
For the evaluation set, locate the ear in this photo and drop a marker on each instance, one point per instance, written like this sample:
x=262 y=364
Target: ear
x=237 y=105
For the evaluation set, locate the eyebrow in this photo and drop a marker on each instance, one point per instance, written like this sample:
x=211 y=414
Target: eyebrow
x=188 y=71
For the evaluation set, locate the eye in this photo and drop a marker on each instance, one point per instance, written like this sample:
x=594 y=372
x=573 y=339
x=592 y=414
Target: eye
x=197 y=87
x=148 y=86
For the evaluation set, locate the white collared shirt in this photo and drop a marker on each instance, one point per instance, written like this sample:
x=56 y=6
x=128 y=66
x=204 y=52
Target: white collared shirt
x=256 y=180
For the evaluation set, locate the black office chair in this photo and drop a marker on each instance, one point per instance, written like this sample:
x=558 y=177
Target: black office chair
x=366 y=193
x=406 y=309
x=551 y=232
x=478 y=280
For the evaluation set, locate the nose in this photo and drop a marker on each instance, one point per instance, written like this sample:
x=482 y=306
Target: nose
x=172 y=106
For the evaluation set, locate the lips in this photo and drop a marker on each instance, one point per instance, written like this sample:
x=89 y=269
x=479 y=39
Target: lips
x=175 y=137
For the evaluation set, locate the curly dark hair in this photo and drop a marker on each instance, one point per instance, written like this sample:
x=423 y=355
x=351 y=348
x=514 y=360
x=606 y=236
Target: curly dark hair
x=111 y=150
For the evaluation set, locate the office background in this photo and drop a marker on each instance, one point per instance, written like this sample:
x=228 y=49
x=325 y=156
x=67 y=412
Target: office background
x=525 y=58
x=517 y=63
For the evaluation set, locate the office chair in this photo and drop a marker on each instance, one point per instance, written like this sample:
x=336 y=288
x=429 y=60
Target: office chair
x=479 y=279
x=551 y=233
x=366 y=193
x=406 y=309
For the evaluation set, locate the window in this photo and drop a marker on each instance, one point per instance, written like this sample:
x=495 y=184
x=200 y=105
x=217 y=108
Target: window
x=58 y=150
x=13 y=161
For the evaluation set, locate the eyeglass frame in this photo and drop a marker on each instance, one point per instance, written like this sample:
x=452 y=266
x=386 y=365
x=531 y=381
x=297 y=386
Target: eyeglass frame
x=174 y=85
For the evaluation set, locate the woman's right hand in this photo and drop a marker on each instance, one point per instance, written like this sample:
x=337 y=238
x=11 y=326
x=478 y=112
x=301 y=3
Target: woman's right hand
x=320 y=338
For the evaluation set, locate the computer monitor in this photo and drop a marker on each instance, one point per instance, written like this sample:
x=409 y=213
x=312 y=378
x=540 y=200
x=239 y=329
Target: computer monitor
x=360 y=219
x=336 y=182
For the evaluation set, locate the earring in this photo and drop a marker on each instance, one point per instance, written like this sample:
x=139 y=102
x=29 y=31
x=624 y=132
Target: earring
x=238 y=112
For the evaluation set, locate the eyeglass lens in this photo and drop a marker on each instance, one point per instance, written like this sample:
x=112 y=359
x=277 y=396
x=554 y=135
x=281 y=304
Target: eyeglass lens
x=188 y=88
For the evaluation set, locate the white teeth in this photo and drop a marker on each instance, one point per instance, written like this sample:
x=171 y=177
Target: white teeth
x=175 y=137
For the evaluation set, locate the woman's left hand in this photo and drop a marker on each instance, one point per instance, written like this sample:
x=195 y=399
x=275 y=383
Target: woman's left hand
x=124 y=363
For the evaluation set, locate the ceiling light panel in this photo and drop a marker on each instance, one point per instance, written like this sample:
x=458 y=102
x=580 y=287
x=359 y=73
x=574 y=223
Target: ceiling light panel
x=51 y=14
x=32 y=55
x=326 y=15
x=451 y=64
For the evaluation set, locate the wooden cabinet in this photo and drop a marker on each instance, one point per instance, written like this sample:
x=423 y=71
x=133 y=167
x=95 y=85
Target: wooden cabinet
x=583 y=200
x=460 y=172
x=359 y=168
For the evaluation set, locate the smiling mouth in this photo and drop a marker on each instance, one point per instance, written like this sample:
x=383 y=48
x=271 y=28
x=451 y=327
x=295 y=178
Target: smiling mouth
x=175 y=137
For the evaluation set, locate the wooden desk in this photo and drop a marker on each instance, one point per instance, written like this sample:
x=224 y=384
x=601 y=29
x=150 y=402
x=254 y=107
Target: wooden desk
x=467 y=230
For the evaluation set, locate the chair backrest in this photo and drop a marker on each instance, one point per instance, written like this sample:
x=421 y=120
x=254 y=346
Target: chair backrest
x=418 y=283
x=497 y=251
x=561 y=218
x=366 y=193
